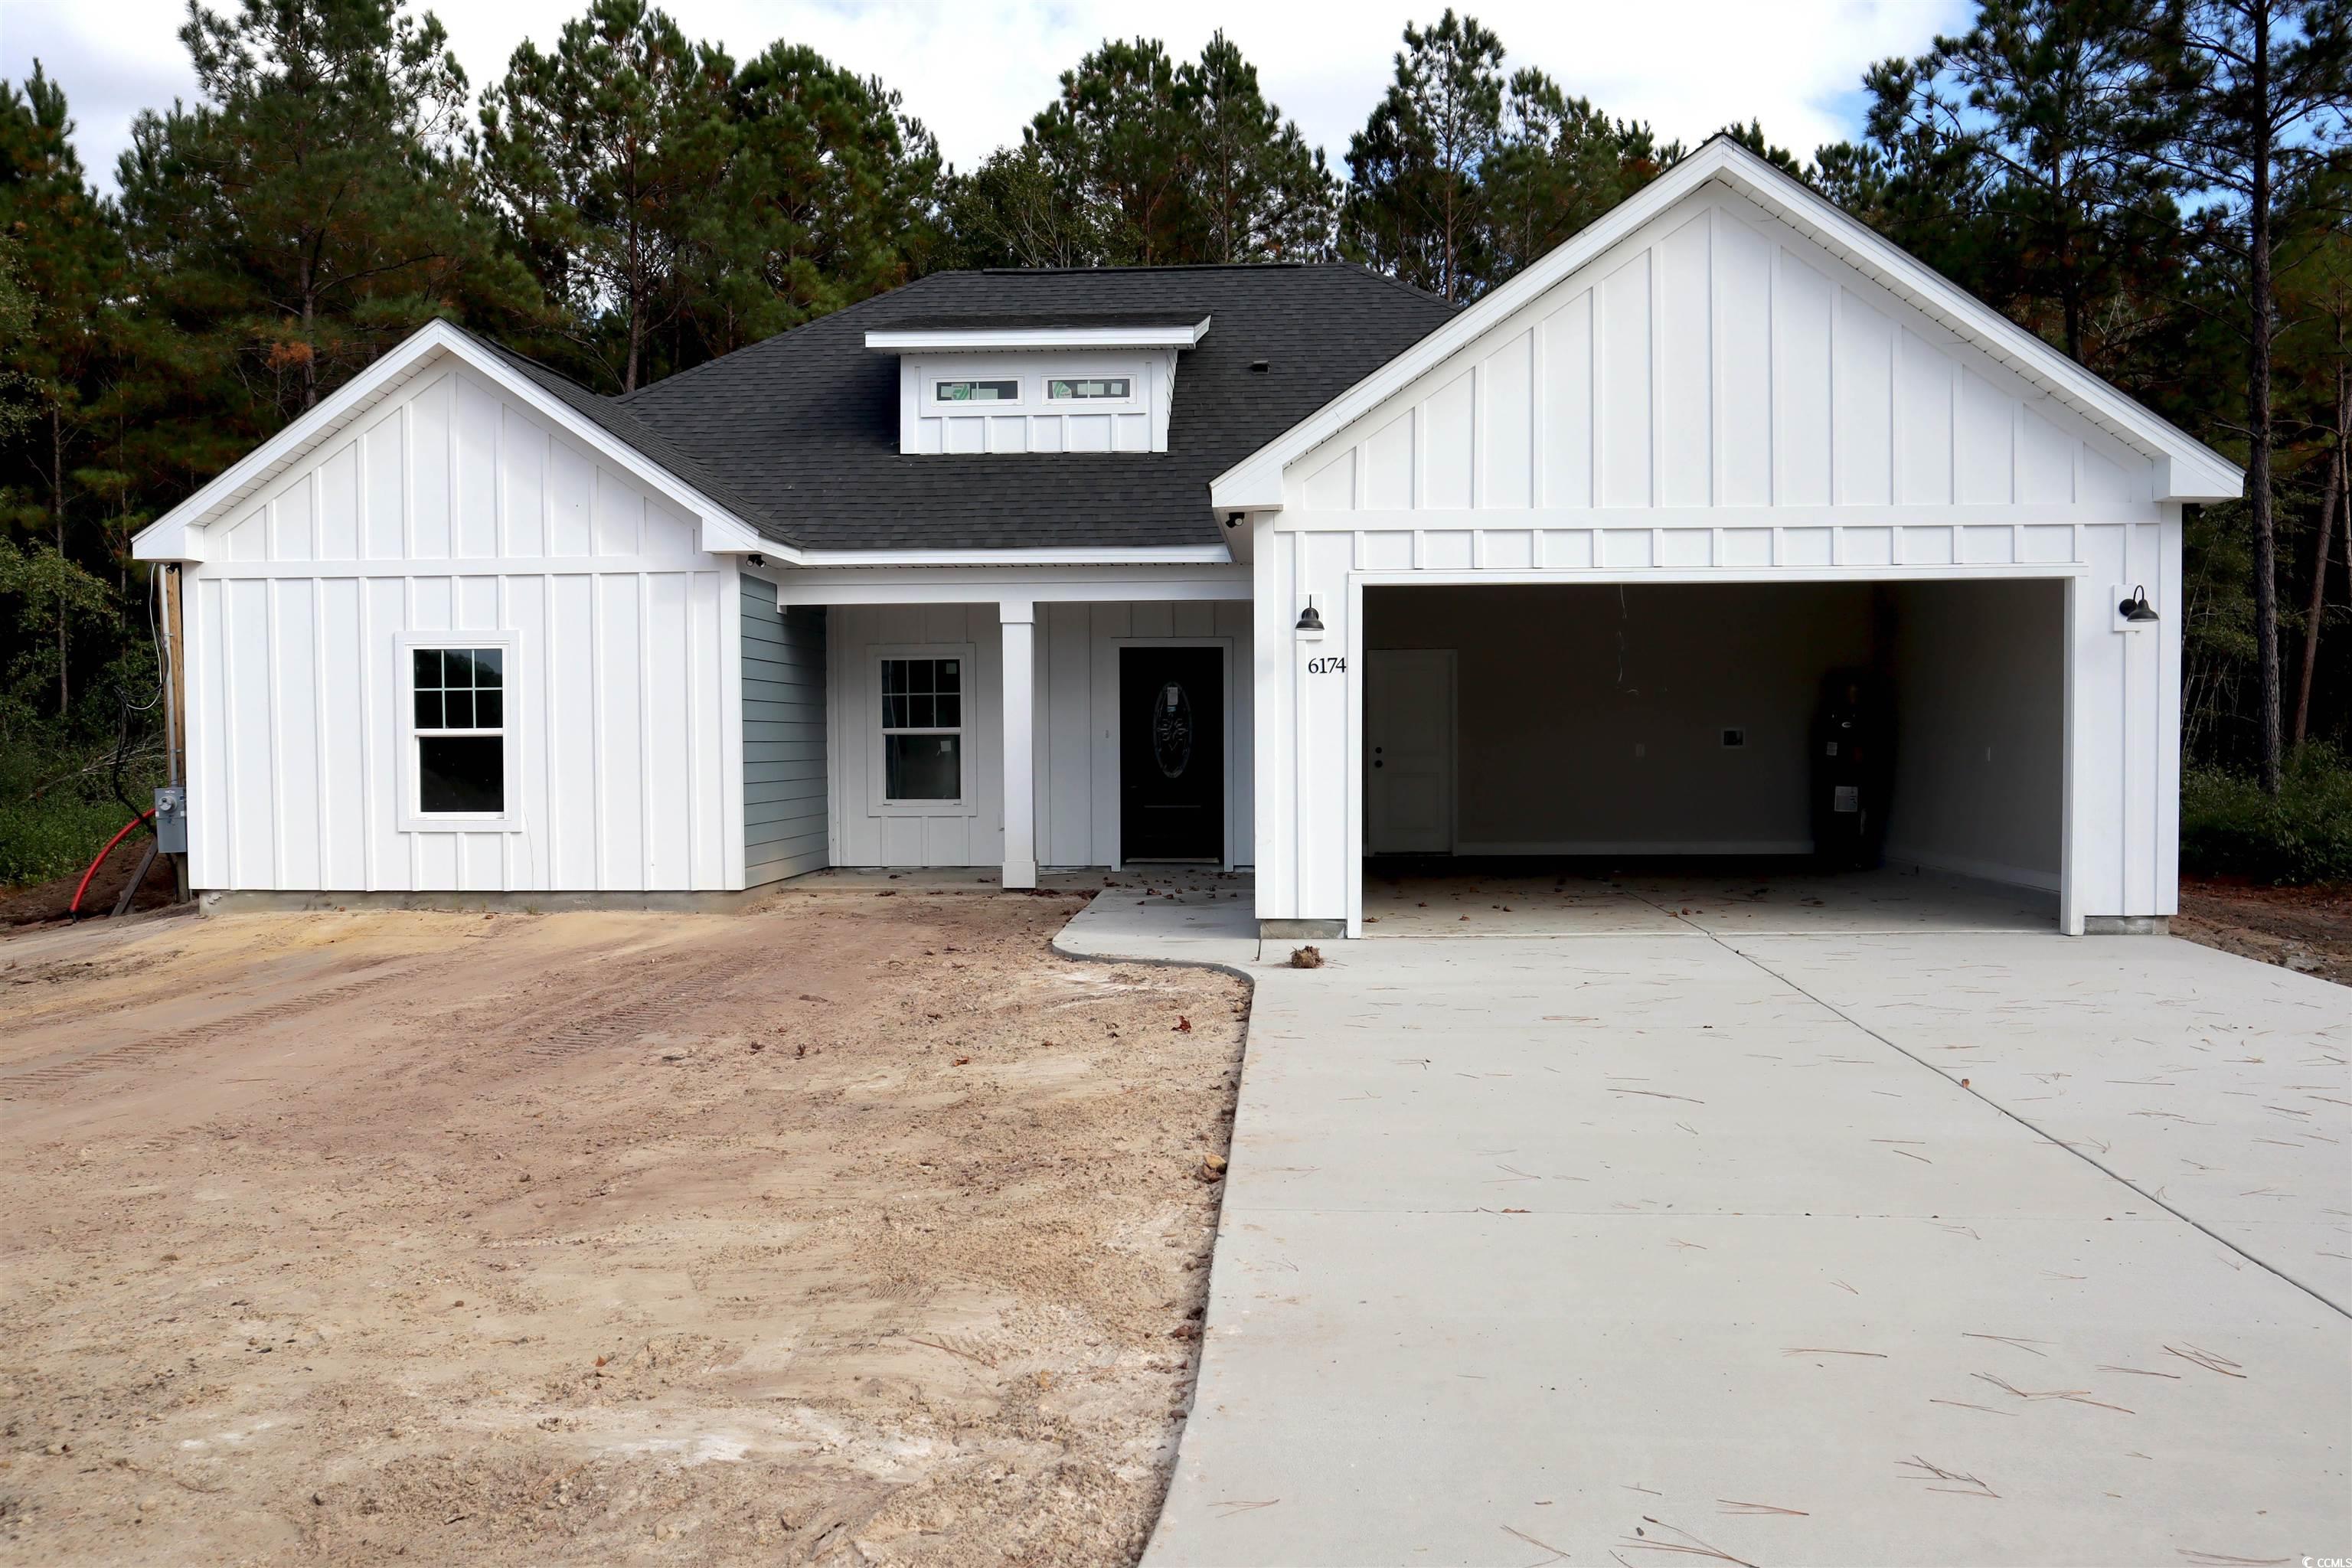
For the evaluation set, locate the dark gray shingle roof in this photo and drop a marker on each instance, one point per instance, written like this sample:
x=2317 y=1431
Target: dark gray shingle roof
x=799 y=434
x=607 y=414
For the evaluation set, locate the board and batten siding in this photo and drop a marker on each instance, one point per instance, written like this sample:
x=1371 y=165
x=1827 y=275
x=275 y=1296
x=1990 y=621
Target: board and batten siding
x=785 y=815
x=1718 y=396
x=1075 y=739
x=452 y=508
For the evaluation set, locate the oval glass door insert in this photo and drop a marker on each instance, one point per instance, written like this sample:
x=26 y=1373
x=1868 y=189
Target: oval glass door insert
x=1172 y=731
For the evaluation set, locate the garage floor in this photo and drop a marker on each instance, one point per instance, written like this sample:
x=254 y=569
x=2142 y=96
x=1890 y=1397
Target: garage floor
x=1429 y=900
x=1957 y=1247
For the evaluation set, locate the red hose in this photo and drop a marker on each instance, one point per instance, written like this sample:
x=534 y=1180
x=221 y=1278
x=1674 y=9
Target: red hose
x=73 y=910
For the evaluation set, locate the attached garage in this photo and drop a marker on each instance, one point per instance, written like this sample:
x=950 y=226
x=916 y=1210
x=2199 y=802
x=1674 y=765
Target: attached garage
x=1591 y=725
x=1586 y=573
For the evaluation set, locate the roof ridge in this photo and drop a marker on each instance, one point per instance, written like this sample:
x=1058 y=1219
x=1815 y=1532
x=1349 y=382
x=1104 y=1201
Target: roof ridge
x=1395 y=282
x=1148 y=267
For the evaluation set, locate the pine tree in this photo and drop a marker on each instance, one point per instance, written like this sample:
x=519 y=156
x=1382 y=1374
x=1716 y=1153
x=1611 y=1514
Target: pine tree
x=2042 y=108
x=1018 y=209
x=69 y=263
x=606 y=158
x=1414 y=206
x=1257 y=191
x=830 y=196
x=1120 y=136
x=310 y=210
x=1558 y=164
x=2258 y=95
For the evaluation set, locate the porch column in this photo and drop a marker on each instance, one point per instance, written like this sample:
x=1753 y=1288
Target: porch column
x=1020 y=698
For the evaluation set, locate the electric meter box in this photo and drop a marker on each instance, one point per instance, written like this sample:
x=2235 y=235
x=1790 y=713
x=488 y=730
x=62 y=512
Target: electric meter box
x=172 y=819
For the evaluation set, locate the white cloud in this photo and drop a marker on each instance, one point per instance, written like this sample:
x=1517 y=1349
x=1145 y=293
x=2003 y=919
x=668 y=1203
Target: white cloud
x=975 y=71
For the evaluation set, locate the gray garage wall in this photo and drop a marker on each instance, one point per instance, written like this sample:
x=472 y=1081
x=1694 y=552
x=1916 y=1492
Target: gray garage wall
x=1557 y=686
x=784 y=737
x=1978 y=772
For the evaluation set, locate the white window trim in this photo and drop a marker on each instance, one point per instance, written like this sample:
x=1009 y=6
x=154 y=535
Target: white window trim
x=878 y=802
x=948 y=408
x=411 y=819
x=1132 y=401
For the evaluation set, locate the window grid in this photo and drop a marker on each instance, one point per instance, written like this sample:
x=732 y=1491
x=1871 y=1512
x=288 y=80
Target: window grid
x=922 y=732
x=923 y=695
x=458 y=697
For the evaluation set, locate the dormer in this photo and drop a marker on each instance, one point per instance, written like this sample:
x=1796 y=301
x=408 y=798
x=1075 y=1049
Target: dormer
x=1073 y=382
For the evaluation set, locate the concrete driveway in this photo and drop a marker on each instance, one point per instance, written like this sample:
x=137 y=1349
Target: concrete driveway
x=1941 y=1248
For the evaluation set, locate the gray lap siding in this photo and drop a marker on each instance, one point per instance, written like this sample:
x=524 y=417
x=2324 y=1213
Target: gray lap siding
x=785 y=815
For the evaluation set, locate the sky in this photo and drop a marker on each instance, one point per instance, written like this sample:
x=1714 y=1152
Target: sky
x=975 y=71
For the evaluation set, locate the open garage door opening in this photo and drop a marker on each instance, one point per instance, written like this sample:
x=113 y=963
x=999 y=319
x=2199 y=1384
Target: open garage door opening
x=1839 y=755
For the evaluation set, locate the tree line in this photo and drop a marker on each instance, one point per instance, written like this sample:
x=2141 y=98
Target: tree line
x=2155 y=187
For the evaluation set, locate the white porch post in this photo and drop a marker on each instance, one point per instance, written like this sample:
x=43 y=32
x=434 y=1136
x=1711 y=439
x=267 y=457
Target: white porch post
x=1020 y=698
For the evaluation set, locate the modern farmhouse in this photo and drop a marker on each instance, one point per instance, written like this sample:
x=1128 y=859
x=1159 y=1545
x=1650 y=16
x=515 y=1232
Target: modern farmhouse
x=1281 y=567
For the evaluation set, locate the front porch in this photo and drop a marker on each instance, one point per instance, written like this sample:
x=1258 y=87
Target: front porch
x=1033 y=718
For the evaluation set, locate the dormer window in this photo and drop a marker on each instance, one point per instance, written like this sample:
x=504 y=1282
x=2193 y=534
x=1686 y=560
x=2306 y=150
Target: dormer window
x=1013 y=385
x=1094 y=389
x=976 y=391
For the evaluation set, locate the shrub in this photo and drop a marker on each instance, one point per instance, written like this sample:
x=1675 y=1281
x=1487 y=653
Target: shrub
x=51 y=826
x=2229 y=828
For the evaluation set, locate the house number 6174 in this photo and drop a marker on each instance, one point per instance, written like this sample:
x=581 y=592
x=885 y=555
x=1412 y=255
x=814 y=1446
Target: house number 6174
x=1329 y=663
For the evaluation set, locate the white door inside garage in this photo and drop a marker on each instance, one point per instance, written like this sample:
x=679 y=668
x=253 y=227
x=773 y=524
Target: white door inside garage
x=1816 y=733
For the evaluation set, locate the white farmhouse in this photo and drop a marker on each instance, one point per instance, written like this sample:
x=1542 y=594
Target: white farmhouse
x=1272 y=567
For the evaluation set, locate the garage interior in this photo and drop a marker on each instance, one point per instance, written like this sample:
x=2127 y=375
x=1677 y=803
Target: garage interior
x=1561 y=759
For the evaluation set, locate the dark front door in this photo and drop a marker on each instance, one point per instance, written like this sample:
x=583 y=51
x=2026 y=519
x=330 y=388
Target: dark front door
x=1172 y=753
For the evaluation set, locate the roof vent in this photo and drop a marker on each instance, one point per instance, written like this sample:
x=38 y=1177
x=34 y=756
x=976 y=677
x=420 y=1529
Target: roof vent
x=1261 y=366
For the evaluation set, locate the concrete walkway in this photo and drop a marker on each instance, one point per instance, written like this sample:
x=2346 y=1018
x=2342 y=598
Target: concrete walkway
x=1688 y=1246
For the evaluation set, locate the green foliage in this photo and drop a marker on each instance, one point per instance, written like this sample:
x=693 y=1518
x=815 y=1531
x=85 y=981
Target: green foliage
x=829 y=197
x=308 y=212
x=1018 y=210
x=41 y=589
x=605 y=157
x=17 y=389
x=58 y=805
x=1143 y=160
x=1413 y=199
x=2035 y=133
x=2230 y=827
x=1257 y=192
x=673 y=208
x=1461 y=177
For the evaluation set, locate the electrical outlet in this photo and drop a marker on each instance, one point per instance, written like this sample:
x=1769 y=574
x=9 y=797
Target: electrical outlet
x=1639 y=749
x=1734 y=737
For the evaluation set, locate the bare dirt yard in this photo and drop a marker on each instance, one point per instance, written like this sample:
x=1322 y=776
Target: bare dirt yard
x=858 y=1228
x=2308 y=930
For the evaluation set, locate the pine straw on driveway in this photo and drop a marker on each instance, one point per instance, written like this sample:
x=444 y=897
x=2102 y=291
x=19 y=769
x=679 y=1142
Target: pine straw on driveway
x=858 y=1228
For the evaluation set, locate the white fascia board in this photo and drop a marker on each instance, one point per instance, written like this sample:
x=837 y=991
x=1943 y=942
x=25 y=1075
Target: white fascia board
x=1009 y=585
x=997 y=340
x=2182 y=478
x=177 y=535
x=1065 y=555
x=1256 y=483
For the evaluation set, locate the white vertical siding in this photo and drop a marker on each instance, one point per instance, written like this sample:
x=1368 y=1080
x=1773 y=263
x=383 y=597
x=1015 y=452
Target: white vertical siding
x=1034 y=423
x=1719 y=395
x=450 y=508
x=1717 y=359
